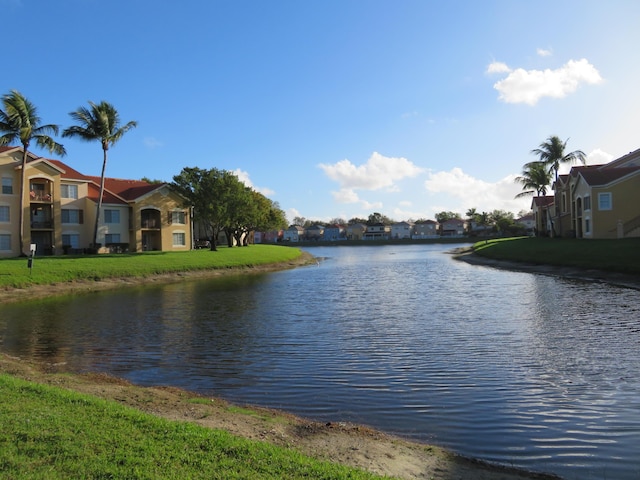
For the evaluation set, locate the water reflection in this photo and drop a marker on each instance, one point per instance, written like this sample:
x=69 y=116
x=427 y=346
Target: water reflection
x=510 y=367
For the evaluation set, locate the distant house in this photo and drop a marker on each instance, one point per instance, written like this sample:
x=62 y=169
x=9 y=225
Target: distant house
x=542 y=208
x=378 y=231
x=425 y=230
x=401 y=230
x=334 y=233
x=454 y=227
x=314 y=233
x=527 y=222
x=355 y=231
x=294 y=233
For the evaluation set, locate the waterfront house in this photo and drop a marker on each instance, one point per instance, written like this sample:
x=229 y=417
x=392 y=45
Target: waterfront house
x=314 y=233
x=425 y=230
x=542 y=208
x=454 y=227
x=401 y=230
x=355 y=231
x=379 y=231
x=334 y=233
x=295 y=233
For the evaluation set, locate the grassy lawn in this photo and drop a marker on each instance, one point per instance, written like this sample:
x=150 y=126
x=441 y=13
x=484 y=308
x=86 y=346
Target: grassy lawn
x=48 y=270
x=608 y=255
x=51 y=433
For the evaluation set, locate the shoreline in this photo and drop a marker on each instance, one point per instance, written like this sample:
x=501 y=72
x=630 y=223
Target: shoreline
x=467 y=255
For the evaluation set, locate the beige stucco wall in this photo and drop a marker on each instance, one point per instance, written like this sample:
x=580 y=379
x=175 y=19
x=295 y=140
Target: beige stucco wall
x=625 y=204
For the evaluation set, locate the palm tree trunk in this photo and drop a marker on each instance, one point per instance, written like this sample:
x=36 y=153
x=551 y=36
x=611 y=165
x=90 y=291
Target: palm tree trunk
x=23 y=178
x=99 y=206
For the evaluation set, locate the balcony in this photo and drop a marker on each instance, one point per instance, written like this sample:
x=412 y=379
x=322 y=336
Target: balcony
x=40 y=191
x=150 y=220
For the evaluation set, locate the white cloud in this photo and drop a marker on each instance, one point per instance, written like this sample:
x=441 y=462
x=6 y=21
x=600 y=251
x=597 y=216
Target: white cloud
x=345 y=195
x=498 y=67
x=379 y=172
x=529 y=86
x=544 y=52
x=244 y=178
x=462 y=191
x=152 y=142
x=598 y=157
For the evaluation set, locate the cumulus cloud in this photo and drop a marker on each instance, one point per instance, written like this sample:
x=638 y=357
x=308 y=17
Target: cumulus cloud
x=529 y=86
x=542 y=52
x=244 y=178
x=379 y=172
x=470 y=192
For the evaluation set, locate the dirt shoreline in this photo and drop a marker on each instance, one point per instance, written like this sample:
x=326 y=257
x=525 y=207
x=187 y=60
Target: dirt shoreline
x=350 y=444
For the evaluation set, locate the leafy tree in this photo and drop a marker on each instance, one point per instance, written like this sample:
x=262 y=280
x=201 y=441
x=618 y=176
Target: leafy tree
x=299 y=221
x=337 y=221
x=535 y=178
x=19 y=121
x=502 y=220
x=201 y=188
x=378 y=218
x=444 y=216
x=354 y=220
x=100 y=122
x=552 y=153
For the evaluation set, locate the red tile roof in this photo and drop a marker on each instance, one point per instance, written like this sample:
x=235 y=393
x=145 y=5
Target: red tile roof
x=543 y=201
x=127 y=189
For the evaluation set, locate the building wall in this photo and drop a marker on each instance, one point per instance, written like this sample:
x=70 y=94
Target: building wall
x=625 y=201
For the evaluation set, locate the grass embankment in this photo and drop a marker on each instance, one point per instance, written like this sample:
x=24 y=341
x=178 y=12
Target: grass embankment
x=51 y=433
x=620 y=256
x=49 y=270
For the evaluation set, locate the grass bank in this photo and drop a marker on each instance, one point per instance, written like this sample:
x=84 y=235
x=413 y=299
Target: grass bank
x=14 y=272
x=51 y=433
x=619 y=256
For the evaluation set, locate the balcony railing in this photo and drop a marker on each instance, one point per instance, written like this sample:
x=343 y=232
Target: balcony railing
x=151 y=223
x=38 y=196
x=43 y=224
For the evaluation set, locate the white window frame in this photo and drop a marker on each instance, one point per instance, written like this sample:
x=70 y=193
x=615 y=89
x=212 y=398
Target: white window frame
x=587 y=226
x=7 y=182
x=601 y=197
x=585 y=200
x=181 y=237
x=109 y=215
x=178 y=217
x=69 y=219
x=69 y=191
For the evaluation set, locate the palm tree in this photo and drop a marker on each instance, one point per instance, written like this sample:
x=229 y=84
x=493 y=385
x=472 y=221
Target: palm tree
x=19 y=121
x=535 y=178
x=551 y=153
x=100 y=122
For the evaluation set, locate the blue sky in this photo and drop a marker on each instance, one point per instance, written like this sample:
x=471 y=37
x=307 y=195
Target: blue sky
x=336 y=108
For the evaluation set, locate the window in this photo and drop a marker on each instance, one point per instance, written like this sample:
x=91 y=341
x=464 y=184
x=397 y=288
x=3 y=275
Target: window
x=112 y=216
x=587 y=202
x=73 y=240
x=69 y=191
x=71 y=216
x=179 y=240
x=4 y=214
x=112 y=238
x=7 y=185
x=604 y=201
x=5 y=241
x=587 y=226
x=178 y=217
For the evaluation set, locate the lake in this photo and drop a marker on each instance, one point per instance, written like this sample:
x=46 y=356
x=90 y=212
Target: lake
x=516 y=368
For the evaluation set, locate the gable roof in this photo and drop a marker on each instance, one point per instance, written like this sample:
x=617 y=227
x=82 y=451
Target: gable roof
x=599 y=177
x=543 y=201
x=630 y=159
x=127 y=189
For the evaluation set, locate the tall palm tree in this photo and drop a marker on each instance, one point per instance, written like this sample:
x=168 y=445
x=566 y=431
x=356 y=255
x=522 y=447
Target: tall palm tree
x=19 y=121
x=535 y=178
x=100 y=122
x=551 y=153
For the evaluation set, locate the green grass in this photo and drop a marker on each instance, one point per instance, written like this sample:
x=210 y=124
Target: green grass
x=50 y=433
x=48 y=270
x=621 y=256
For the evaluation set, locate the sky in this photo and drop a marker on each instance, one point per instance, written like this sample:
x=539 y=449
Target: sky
x=336 y=108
